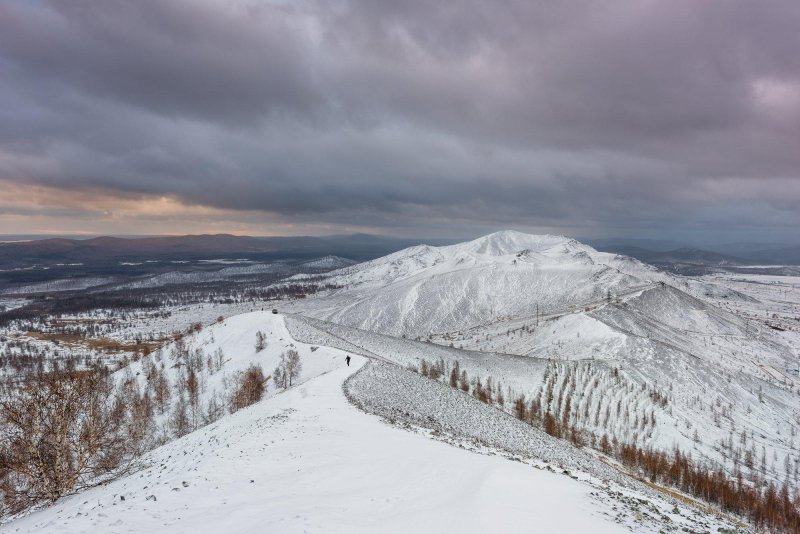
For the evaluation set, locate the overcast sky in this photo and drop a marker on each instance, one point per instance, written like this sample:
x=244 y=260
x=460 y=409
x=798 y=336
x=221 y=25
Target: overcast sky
x=673 y=119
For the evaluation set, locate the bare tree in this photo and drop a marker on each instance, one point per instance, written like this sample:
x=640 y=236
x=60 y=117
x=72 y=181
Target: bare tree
x=261 y=341
x=180 y=419
x=193 y=389
x=162 y=390
x=61 y=434
x=214 y=410
x=464 y=381
x=219 y=358
x=288 y=369
x=278 y=378
x=454 y=372
x=250 y=389
x=141 y=427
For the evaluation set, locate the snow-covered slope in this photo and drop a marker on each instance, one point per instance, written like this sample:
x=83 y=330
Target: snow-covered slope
x=306 y=460
x=223 y=350
x=718 y=384
x=327 y=263
x=67 y=284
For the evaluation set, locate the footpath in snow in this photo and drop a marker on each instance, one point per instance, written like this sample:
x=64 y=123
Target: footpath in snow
x=308 y=461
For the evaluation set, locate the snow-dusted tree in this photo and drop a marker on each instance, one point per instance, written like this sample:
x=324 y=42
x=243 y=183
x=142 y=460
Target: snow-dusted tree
x=261 y=341
x=162 y=390
x=551 y=425
x=278 y=378
x=61 y=433
x=139 y=427
x=214 y=410
x=464 y=381
x=180 y=419
x=293 y=365
x=193 y=391
x=179 y=352
x=521 y=408
x=288 y=369
x=436 y=370
x=605 y=445
x=423 y=368
x=140 y=413
x=454 y=375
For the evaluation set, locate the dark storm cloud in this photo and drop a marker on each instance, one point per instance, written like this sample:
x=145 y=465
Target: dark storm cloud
x=171 y=58
x=561 y=114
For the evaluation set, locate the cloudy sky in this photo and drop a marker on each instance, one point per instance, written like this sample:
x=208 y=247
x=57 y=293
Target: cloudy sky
x=671 y=119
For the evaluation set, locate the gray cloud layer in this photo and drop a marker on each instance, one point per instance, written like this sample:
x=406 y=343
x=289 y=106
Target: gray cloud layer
x=663 y=117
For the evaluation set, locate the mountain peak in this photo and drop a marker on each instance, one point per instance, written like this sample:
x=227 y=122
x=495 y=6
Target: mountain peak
x=507 y=242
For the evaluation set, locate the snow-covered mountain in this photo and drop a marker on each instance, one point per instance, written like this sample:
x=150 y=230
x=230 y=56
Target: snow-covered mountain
x=424 y=289
x=553 y=298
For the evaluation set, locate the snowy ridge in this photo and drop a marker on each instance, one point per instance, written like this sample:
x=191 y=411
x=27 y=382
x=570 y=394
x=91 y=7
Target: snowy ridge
x=307 y=460
x=408 y=400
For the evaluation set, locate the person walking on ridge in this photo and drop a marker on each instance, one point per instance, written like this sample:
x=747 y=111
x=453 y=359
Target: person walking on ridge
x=347 y=359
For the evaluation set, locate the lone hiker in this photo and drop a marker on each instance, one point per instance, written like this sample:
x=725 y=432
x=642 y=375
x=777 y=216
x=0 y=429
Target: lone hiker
x=347 y=359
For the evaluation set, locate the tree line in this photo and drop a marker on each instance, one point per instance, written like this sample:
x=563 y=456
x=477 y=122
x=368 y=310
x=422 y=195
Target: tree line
x=765 y=506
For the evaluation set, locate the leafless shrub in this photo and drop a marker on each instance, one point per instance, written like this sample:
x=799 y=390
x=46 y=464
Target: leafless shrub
x=250 y=389
x=62 y=432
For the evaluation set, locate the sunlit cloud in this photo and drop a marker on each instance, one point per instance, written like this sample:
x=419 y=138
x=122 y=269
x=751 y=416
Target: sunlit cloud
x=39 y=209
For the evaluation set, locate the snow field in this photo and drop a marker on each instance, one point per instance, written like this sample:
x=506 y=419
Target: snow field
x=305 y=460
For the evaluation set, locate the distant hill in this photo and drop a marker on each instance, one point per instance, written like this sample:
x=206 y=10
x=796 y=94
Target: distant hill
x=688 y=255
x=725 y=254
x=112 y=250
x=780 y=256
x=694 y=261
